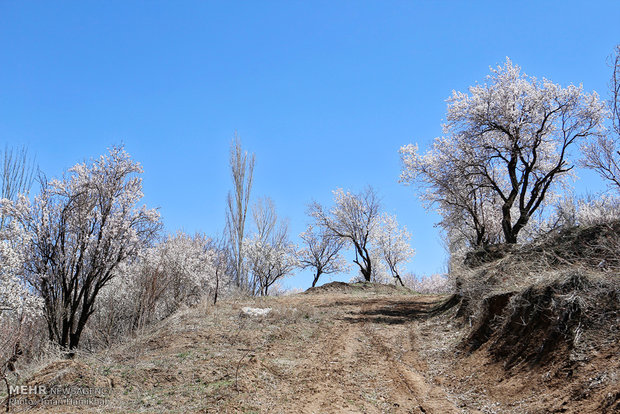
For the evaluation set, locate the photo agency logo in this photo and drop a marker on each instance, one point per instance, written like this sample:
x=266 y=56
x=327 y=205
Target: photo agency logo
x=37 y=395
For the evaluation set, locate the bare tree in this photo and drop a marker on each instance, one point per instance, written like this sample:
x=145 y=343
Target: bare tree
x=82 y=227
x=352 y=220
x=270 y=254
x=242 y=170
x=603 y=153
x=321 y=253
x=17 y=174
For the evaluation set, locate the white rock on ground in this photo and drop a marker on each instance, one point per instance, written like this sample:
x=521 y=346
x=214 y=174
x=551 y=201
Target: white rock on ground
x=255 y=311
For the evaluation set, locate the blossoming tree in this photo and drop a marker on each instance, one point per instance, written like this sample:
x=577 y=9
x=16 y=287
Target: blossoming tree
x=352 y=220
x=602 y=154
x=321 y=252
x=507 y=142
x=269 y=253
x=81 y=228
x=392 y=242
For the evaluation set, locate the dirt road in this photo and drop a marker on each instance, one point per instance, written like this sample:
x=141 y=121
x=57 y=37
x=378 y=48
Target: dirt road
x=330 y=352
x=365 y=360
x=315 y=353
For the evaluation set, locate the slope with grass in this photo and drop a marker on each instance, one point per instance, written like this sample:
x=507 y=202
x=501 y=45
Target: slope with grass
x=533 y=330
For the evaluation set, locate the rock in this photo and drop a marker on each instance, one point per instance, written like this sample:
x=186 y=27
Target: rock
x=255 y=311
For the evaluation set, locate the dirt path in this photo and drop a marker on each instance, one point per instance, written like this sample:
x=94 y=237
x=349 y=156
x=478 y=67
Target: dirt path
x=323 y=353
x=364 y=360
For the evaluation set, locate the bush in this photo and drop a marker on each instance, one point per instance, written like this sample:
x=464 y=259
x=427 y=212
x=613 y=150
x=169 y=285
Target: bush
x=180 y=271
x=432 y=285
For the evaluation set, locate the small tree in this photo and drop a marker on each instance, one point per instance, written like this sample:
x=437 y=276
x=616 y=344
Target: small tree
x=223 y=266
x=392 y=241
x=321 y=253
x=270 y=254
x=82 y=227
x=507 y=142
x=352 y=220
x=602 y=154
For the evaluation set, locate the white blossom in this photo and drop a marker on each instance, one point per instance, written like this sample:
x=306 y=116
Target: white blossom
x=16 y=298
x=80 y=228
x=392 y=243
x=351 y=220
x=506 y=147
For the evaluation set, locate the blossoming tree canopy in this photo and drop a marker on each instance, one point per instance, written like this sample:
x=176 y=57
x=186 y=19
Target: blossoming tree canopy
x=392 y=242
x=82 y=227
x=506 y=142
x=321 y=252
x=352 y=219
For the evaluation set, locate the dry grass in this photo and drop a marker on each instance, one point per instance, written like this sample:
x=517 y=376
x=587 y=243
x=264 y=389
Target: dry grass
x=310 y=353
x=551 y=308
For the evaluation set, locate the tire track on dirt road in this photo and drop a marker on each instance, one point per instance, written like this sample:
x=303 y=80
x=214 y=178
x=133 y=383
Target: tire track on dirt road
x=355 y=365
x=392 y=342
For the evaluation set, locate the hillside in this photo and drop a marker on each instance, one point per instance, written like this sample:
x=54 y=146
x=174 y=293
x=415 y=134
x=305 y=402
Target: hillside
x=340 y=348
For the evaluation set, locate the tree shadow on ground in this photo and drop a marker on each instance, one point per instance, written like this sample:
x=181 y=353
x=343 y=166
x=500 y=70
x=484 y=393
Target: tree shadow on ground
x=397 y=312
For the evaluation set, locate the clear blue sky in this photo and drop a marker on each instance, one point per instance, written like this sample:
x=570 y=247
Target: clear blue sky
x=324 y=92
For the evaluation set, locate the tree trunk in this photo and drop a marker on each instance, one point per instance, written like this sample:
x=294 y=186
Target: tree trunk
x=509 y=233
x=511 y=238
x=366 y=272
x=217 y=286
x=316 y=278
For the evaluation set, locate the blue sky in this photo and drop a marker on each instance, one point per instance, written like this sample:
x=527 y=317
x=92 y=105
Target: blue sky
x=323 y=92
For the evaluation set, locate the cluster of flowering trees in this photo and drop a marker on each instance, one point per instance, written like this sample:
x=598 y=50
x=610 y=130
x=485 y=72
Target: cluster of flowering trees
x=179 y=270
x=586 y=211
x=508 y=146
x=356 y=221
x=431 y=285
x=86 y=258
x=380 y=245
x=85 y=255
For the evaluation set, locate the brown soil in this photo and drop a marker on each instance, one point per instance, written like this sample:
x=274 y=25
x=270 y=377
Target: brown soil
x=334 y=351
